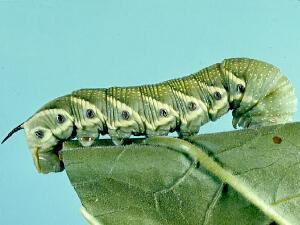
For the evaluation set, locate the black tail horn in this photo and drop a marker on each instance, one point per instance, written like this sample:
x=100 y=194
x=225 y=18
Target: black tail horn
x=16 y=129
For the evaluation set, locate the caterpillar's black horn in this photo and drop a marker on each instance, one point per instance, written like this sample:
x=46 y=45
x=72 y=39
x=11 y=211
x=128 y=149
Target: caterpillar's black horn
x=16 y=129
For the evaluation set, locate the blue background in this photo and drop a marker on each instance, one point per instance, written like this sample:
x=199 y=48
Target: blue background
x=49 y=48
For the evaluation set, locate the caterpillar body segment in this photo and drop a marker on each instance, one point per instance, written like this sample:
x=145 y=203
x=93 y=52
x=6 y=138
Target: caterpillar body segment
x=256 y=91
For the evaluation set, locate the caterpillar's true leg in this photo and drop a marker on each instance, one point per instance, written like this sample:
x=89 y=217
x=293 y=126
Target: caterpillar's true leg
x=185 y=135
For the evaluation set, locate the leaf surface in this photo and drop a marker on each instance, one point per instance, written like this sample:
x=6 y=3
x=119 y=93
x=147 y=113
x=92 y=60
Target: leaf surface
x=247 y=177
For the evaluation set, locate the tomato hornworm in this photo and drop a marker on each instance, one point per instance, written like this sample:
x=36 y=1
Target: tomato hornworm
x=256 y=91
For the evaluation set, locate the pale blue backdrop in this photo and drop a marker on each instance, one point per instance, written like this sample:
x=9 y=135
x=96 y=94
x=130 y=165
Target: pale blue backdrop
x=49 y=48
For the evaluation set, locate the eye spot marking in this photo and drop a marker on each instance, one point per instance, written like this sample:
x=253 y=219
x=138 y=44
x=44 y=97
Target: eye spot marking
x=192 y=106
x=125 y=115
x=277 y=140
x=39 y=134
x=217 y=95
x=163 y=112
x=60 y=118
x=240 y=88
x=90 y=114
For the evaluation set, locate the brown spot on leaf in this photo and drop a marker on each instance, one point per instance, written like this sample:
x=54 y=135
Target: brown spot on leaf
x=277 y=140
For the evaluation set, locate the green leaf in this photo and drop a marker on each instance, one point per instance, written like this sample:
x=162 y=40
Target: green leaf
x=242 y=177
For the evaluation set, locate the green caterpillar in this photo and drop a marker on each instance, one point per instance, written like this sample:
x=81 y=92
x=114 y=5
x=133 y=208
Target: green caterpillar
x=256 y=91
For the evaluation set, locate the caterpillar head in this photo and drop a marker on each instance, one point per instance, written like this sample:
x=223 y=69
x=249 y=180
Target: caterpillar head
x=45 y=132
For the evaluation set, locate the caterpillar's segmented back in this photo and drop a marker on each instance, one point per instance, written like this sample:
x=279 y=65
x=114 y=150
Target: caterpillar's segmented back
x=256 y=91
